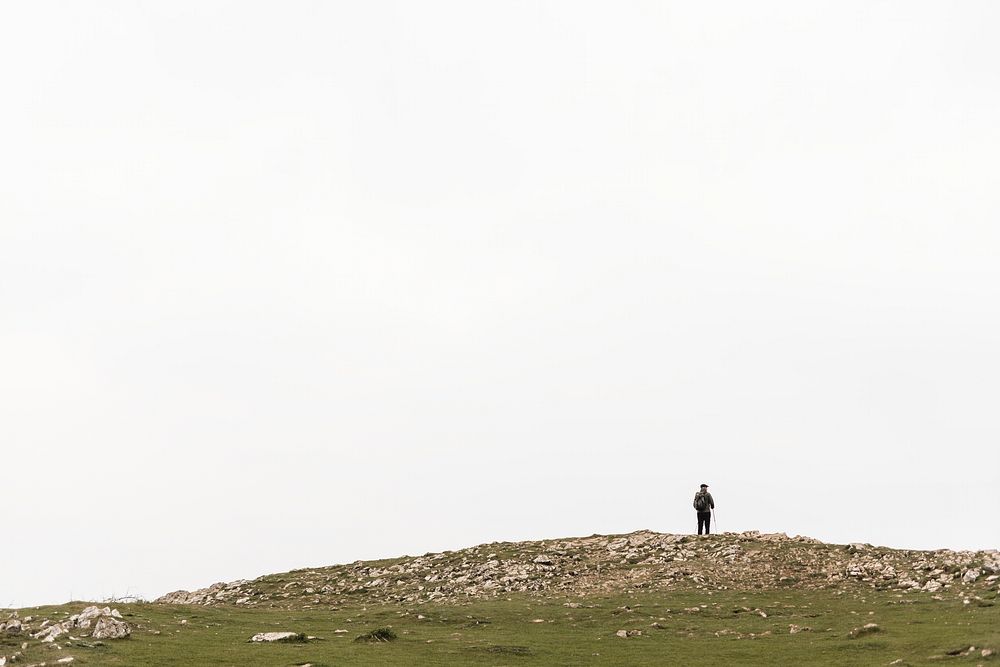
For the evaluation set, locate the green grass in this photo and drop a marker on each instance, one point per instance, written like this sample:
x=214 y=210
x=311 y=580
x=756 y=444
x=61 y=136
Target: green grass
x=728 y=630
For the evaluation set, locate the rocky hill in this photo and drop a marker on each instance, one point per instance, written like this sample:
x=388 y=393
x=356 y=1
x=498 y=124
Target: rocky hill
x=612 y=564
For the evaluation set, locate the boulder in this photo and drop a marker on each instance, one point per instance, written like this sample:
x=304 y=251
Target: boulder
x=108 y=627
x=50 y=633
x=86 y=617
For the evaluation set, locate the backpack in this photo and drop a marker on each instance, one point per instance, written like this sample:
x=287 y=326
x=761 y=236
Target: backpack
x=701 y=501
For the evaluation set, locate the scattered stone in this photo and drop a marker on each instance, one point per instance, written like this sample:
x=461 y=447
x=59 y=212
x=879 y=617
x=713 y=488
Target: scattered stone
x=628 y=633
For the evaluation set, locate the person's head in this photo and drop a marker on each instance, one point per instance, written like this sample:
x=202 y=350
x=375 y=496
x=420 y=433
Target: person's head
x=704 y=487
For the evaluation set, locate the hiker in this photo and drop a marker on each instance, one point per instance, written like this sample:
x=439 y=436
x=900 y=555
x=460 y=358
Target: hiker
x=704 y=504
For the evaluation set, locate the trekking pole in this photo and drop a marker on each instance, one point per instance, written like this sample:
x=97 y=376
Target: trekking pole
x=715 y=521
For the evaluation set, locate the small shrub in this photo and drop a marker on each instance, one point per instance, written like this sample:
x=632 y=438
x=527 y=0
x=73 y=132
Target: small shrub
x=510 y=650
x=379 y=635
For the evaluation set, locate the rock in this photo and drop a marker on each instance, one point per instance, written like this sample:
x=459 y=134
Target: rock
x=85 y=617
x=866 y=629
x=50 y=633
x=278 y=637
x=987 y=652
x=618 y=544
x=109 y=627
x=64 y=661
x=970 y=576
x=542 y=560
x=180 y=597
x=11 y=627
x=628 y=633
x=217 y=592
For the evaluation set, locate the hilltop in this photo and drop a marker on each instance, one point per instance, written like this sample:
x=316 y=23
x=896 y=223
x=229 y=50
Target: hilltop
x=641 y=599
x=599 y=564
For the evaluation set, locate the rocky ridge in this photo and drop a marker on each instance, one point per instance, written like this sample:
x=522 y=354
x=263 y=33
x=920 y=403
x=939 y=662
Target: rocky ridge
x=642 y=560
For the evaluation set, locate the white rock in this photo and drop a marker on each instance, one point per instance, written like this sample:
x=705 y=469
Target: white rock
x=50 y=633
x=108 y=627
x=273 y=636
x=85 y=617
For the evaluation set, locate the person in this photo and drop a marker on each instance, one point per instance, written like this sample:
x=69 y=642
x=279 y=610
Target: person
x=704 y=504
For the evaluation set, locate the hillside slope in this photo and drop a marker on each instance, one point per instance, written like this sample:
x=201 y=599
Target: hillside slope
x=639 y=561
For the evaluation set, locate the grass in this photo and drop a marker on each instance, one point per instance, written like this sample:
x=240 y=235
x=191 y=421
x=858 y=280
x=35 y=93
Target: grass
x=728 y=628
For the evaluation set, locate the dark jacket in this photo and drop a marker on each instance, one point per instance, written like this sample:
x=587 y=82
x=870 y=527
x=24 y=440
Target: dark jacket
x=711 y=502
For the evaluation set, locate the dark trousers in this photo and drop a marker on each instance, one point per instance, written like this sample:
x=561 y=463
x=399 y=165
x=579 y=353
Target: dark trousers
x=704 y=519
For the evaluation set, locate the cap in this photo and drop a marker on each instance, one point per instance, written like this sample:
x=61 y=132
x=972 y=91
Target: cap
x=704 y=486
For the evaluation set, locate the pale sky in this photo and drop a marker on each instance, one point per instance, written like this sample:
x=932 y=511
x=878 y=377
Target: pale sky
x=298 y=283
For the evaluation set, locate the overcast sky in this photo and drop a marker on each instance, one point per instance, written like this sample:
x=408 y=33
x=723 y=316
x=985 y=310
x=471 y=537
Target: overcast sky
x=298 y=283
